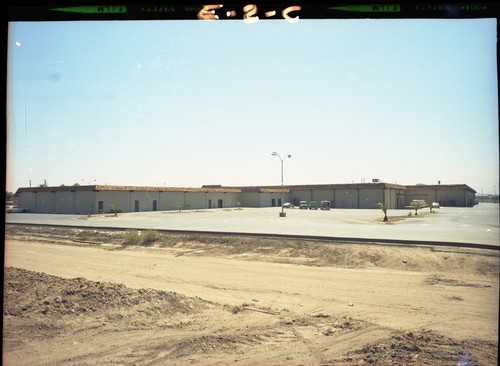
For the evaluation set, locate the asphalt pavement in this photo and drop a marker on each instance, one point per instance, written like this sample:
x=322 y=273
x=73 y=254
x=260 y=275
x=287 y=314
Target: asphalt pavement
x=478 y=225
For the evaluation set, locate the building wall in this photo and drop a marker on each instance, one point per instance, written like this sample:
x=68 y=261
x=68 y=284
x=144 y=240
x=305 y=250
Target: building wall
x=250 y=199
x=85 y=202
x=266 y=199
x=231 y=199
x=28 y=200
x=81 y=201
x=144 y=201
x=370 y=198
x=319 y=195
x=445 y=195
x=394 y=198
x=45 y=202
x=195 y=200
x=350 y=197
x=110 y=198
x=301 y=195
x=346 y=198
x=64 y=202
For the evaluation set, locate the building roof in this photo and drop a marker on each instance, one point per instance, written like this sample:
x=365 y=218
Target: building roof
x=227 y=189
x=441 y=186
x=288 y=188
x=97 y=188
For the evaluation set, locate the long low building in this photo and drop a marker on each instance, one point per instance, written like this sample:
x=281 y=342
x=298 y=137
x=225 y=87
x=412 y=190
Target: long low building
x=93 y=199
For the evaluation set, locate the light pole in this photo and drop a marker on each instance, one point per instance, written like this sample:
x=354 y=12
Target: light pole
x=282 y=159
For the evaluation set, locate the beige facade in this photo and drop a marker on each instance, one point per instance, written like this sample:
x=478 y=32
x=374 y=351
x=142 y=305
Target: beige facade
x=101 y=199
x=459 y=195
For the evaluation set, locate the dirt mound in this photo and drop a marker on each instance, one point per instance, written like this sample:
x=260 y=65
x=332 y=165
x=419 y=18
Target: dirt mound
x=423 y=348
x=56 y=297
x=56 y=301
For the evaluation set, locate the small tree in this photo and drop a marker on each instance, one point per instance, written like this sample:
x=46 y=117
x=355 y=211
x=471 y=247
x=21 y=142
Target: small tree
x=383 y=207
x=417 y=205
x=114 y=208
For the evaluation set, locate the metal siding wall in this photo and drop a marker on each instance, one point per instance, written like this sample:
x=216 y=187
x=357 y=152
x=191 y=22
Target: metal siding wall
x=346 y=198
x=250 y=199
x=215 y=197
x=301 y=194
x=265 y=199
x=370 y=198
x=231 y=199
x=45 y=202
x=170 y=200
x=418 y=194
x=443 y=195
x=120 y=198
x=145 y=199
x=195 y=200
x=28 y=200
x=85 y=202
x=322 y=195
x=64 y=202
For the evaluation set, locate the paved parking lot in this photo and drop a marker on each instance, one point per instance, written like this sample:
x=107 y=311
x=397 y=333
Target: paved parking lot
x=479 y=224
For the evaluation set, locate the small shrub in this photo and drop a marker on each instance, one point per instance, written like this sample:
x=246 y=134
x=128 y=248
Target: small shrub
x=114 y=208
x=149 y=237
x=131 y=237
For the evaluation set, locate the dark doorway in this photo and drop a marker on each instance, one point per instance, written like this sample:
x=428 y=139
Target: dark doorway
x=220 y=204
x=136 y=206
x=100 y=206
x=273 y=202
x=209 y=203
x=155 y=208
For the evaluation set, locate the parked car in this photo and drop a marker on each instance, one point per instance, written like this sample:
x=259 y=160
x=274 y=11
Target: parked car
x=435 y=205
x=303 y=205
x=15 y=209
x=313 y=205
x=325 y=205
x=417 y=203
x=288 y=205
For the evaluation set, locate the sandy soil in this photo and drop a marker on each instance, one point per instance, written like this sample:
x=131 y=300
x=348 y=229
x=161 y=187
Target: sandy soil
x=83 y=297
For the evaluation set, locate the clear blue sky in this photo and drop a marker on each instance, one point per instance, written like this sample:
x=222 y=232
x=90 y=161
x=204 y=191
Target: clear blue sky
x=187 y=103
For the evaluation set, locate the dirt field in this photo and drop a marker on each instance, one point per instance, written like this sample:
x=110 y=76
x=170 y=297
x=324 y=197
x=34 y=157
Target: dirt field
x=83 y=297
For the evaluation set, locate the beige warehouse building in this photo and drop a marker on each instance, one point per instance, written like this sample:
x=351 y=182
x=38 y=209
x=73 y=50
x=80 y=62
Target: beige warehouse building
x=93 y=199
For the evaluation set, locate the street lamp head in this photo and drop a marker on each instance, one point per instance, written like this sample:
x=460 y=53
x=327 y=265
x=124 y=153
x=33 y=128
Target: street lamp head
x=289 y=156
x=274 y=153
